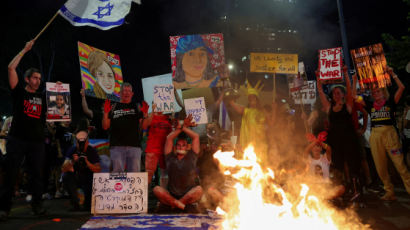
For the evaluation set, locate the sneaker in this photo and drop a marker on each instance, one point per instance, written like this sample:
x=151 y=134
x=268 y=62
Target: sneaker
x=388 y=197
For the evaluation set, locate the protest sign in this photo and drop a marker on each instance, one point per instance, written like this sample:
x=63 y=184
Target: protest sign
x=305 y=94
x=196 y=107
x=370 y=64
x=58 y=102
x=201 y=55
x=330 y=64
x=274 y=63
x=148 y=85
x=120 y=193
x=164 y=98
x=101 y=74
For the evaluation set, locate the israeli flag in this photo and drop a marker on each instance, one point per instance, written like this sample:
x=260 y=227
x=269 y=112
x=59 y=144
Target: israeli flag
x=103 y=14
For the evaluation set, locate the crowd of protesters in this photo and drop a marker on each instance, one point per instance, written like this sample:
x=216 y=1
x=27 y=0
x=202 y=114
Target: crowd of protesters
x=350 y=139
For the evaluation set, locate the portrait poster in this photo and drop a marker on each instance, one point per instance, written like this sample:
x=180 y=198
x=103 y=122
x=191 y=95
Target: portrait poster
x=58 y=102
x=196 y=107
x=148 y=85
x=330 y=64
x=195 y=60
x=371 y=65
x=274 y=63
x=101 y=74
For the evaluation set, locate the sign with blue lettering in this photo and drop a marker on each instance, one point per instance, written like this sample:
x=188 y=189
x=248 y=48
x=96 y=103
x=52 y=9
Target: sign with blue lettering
x=196 y=107
x=164 y=98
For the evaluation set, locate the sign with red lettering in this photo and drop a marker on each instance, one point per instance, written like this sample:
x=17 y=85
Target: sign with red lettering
x=58 y=102
x=330 y=64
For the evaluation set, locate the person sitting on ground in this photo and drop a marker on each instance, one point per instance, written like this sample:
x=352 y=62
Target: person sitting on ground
x=81 y=163
x=183 y=190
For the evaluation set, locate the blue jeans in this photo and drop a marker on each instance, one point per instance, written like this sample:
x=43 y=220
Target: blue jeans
x=125 y=156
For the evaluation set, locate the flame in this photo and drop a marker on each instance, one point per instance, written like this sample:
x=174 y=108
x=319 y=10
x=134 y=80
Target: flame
x=258 y=202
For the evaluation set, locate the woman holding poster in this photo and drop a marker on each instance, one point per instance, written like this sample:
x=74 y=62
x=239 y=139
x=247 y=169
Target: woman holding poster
x=342 y=136
x=193 y=66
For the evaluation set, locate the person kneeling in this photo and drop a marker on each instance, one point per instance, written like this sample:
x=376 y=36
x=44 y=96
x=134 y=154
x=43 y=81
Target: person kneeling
x=81 y=162
x=183 y=190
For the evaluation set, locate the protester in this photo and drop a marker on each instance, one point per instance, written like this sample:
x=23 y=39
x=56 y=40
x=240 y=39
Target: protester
x=342 y=135
x=81 y=162
x=384 y=137
x=95 y=114
x=26 y=135
x=194 y=69
x=159 y=126
x=123 y=121
x=183 y=190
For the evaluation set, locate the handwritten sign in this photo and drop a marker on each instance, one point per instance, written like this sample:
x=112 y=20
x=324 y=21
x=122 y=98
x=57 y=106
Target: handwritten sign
x=305 y=94
x=370 y=64
x=196 y=107
x=58 y=102
x=119 y=193
x=164 y=97
x=274 y=63
x=330 y=64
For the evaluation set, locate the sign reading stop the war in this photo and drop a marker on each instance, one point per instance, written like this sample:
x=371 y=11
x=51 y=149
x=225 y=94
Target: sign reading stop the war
x=330 y=64
x=120 y=193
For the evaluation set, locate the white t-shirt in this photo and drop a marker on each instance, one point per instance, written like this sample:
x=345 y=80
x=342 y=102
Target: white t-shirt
x=320 y=166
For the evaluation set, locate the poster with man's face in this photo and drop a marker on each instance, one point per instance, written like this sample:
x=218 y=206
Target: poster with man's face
x=195 y=60
x=58 y=102
x=101 y=74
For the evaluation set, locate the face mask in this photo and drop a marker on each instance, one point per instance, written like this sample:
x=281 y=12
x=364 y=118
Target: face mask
x=180 y=151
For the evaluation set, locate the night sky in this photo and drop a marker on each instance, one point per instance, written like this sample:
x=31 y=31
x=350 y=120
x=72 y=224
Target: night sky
x=143 y=41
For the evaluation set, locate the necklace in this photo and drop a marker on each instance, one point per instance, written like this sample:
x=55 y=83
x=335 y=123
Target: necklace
x=194 y=83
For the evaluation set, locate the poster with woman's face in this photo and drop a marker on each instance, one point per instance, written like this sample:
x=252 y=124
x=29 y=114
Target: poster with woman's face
x=194 y=60
x=100 y=72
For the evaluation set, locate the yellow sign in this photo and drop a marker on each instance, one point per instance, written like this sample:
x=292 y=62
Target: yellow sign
x=274 y=63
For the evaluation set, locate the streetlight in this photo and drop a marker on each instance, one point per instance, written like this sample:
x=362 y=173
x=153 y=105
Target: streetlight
x=230 y=66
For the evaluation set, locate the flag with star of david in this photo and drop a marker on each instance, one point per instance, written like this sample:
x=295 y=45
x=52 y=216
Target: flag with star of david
x=102 y=14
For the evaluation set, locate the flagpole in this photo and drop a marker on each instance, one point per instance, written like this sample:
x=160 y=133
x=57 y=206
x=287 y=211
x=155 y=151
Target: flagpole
x=45 y=27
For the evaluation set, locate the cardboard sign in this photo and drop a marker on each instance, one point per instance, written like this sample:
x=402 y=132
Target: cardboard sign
x=148 y=85
x=370 y=64
x=330 y=64
x=58 y=102
x=120 y=193
x=274 y=63
x=196 y=107
x=164 y=97
x=202 y=54
x=101 y=74
x=305 y=94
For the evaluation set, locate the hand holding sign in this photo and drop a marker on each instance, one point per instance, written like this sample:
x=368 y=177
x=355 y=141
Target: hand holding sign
x=196 y=107
x=188 y=121
x=144 y=108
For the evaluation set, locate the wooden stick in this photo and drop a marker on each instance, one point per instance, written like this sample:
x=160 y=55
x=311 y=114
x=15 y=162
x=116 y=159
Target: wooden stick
x=45 y=27
x=274 y=86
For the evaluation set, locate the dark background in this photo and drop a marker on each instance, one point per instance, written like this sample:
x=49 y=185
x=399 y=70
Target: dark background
x=143 y=41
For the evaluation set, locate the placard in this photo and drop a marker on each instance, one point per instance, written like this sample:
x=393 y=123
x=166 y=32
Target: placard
x=164 y=98
x=371 y=65
x=196 y=107
x=148 y=84
x=101 y=74
x=305 y=94
x=274 y=63
x=58 y=102
x=120 y=193
x=330 y=64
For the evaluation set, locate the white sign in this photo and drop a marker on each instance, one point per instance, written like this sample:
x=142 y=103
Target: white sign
x=330 y=64
x=122 y=193
x=148 y=88
x=196 y=107
x=164 y=98
x=305 y=94
x=58 y=102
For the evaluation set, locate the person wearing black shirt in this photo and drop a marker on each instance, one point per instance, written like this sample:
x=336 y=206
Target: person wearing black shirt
x=26 y=136
x=82 y=161
x=123 y=121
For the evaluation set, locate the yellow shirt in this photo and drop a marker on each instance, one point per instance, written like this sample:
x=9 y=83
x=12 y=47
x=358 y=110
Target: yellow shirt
x=253 y=131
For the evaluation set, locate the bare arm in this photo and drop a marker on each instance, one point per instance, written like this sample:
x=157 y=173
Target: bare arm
x=322 y=95
x=93 y=167
x=328 y=151
x=13 y=78
x=308 y=148
x=147 y=121
x=348 y=96
x=400 y=85
x=238 y=108
x=169 y=143
x=106 y=121
x=195 y=139
x=84 y=105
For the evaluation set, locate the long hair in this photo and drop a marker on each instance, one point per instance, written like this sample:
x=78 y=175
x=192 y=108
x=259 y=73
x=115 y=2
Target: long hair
x=180 y=74
x=341 y=87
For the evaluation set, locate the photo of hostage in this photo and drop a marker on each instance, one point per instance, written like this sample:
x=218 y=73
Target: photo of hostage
x=194 y=69
x=82 y=161
x=101 y=69
x=183 y=190
x=59 y=106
